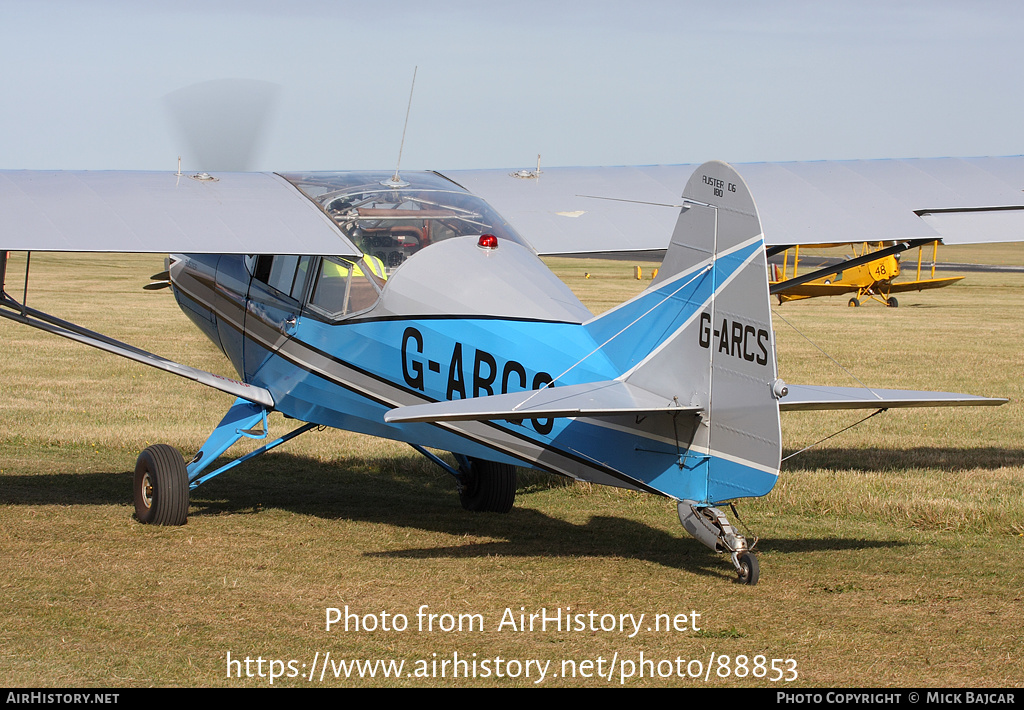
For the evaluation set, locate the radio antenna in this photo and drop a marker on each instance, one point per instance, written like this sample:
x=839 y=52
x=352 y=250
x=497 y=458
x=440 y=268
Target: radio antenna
x=395 y=180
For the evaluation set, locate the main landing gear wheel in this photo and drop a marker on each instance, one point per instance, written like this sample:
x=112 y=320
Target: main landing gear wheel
x=853 y=303
x=161 y=486
x=892 y=302
x=487 y=487
x=748 y=571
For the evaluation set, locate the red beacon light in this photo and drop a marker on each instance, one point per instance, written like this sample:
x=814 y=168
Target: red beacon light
x=487 y=241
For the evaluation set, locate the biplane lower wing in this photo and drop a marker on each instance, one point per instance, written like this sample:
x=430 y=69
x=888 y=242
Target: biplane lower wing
x=817 y=290
x=922 y=285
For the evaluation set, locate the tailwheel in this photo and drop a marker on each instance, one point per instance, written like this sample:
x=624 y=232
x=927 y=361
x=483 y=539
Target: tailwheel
x=710 y=526
x=747 y=568
x=161 y=486
x=486 y=486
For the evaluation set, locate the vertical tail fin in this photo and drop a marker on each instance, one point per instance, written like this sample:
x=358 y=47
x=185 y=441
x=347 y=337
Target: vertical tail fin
x=701 y=335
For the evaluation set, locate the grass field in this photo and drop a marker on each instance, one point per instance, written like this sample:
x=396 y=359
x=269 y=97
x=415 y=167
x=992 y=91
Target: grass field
x=890 y=555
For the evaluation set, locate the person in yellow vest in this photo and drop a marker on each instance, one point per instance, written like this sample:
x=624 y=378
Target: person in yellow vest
x=332 y=269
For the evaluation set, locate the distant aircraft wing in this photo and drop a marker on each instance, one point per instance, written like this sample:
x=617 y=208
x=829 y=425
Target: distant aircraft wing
x=922 y=285
x=162 y=212
x=632 y=210
x=814 y=290
x=810 y=397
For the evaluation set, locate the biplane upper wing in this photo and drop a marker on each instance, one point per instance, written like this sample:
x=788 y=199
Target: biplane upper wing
x=630 y=209
x=162 y=212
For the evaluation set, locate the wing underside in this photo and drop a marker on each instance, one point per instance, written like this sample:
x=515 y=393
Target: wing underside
x=162 y=212
x=631 y=209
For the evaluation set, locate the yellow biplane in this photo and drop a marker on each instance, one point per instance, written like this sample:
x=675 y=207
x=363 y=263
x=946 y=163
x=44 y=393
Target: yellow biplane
x=872 y=279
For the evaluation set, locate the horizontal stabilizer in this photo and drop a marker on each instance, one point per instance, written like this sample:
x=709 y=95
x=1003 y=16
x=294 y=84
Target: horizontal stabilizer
x=808 y=397
x=592 y=399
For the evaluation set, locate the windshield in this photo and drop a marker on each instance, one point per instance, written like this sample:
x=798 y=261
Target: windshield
x=393 y=223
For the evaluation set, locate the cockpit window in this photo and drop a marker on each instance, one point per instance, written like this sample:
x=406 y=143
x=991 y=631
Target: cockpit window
x=345 y=286
x=393 y=223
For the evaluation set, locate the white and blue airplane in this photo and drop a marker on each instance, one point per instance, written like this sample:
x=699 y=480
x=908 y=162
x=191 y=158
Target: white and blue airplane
x=405 y=307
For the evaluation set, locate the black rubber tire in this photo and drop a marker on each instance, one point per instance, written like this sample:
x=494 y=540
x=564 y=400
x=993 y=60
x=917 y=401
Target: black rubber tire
x=488 y=487
x=892 y=302
x=853 y=303
x=161 y=486
x=749 y=571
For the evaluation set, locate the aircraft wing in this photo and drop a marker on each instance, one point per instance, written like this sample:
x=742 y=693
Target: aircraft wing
x=631 y=210
x=159 y=212
x=922 y=285
x=162 y=212
x=808 y=397
x=814 y=290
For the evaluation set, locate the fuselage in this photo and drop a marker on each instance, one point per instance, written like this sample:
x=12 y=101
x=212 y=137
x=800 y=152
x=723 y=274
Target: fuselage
x=456 y=318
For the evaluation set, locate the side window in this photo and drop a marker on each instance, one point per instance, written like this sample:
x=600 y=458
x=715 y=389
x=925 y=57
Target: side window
x=282 y=273
x=345 y=286
x=285 y=273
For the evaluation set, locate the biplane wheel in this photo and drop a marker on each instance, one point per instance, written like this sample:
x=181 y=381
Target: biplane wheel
x=853 y=303
x=488 y=487
x=161 y=486
x=749 y=571
x=892 y=302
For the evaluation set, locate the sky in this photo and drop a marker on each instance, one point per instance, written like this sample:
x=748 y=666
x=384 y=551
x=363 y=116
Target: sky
x=84 y=85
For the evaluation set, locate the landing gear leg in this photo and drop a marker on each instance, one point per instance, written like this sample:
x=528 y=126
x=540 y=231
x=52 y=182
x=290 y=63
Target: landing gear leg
x=163 y=480
x=713 y=529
